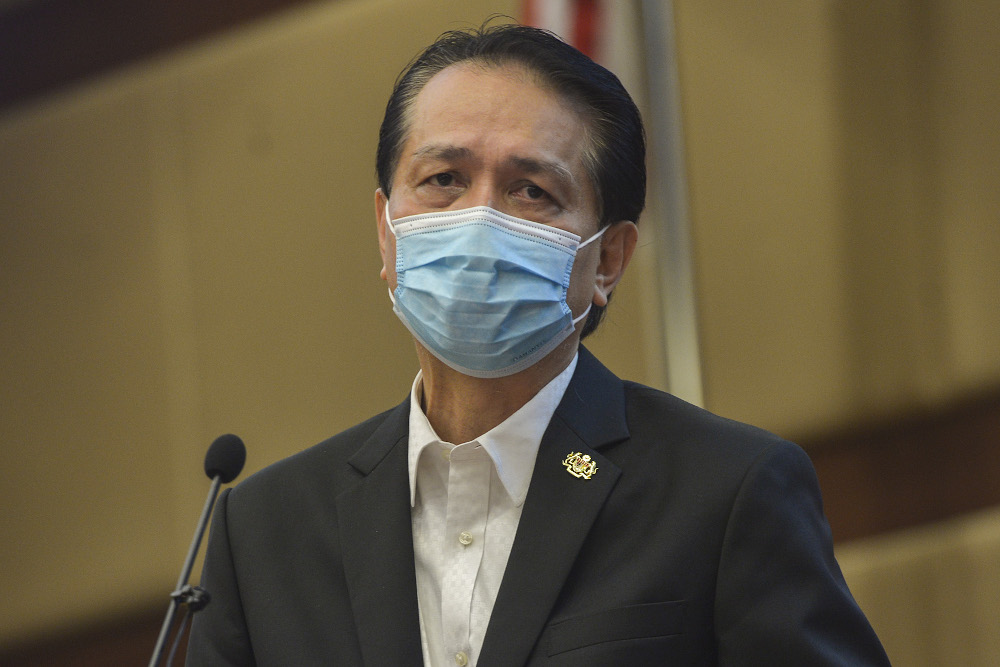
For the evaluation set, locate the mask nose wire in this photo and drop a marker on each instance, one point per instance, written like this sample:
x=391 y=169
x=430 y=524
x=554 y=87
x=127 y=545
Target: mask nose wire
x=392 y=228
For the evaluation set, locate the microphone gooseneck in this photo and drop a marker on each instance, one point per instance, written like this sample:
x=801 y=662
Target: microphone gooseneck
x=223 y=463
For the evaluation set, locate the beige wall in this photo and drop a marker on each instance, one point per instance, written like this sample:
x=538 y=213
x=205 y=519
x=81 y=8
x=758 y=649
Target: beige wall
x=188 y=249
x=932 y=593
x=843 y=166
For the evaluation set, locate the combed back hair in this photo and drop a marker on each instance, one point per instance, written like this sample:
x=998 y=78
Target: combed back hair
x=615 y=151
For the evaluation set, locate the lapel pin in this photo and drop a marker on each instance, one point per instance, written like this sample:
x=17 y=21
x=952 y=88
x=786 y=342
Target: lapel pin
x=580 y=465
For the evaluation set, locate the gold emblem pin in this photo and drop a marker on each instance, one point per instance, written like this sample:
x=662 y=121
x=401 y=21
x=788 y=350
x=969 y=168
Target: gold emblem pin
x=580 y=465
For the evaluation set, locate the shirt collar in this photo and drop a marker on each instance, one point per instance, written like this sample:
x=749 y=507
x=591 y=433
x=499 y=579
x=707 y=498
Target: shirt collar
x=512 y=444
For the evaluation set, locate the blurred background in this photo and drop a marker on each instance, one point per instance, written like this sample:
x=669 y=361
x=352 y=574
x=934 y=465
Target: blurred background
x=187 y=248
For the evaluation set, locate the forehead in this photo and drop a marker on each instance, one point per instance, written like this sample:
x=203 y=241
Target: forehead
x=486 y=108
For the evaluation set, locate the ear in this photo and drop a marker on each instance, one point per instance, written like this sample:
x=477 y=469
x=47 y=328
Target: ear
x=617 y=246
x=380 y=203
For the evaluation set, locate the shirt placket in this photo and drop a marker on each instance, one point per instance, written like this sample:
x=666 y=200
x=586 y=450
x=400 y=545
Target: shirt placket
x=468 y=505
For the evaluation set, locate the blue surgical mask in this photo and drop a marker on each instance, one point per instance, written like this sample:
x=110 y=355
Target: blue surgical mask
x=484 y=292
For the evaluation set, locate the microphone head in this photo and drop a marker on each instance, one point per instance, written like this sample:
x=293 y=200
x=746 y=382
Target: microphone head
x=225 y=458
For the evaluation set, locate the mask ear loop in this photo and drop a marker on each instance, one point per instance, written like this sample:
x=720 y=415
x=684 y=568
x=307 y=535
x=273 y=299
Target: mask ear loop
x=590 y=240
x=388 y=219
x=578 y=319
x=392 y=228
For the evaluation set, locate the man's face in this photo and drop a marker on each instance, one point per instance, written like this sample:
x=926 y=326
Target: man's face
x=492 y=137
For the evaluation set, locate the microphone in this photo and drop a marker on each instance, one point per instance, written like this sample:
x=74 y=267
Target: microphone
x=223 y=463
x=225 y=458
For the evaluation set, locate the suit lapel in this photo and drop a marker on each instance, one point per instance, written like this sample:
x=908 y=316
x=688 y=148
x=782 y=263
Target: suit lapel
x=376 y=538
x=558 y=511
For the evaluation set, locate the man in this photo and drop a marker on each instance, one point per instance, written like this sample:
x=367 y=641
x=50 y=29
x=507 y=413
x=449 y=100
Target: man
x=524 y=505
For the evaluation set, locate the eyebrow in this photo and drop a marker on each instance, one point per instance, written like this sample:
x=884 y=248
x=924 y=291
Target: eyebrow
x=532 y=165
x=528 y=165
x=444 y=152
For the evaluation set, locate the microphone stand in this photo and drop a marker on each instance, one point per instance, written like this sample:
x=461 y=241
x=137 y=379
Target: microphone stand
x=194 y=597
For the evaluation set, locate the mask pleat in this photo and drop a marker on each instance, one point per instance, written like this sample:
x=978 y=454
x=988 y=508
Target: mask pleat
x=486 y=293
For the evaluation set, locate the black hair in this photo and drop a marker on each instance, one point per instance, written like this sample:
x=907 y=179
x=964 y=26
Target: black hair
x=615 y=155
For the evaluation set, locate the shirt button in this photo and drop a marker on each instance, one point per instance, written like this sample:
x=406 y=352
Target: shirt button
x=465 y=539
x=461 y=659
x=446 y=454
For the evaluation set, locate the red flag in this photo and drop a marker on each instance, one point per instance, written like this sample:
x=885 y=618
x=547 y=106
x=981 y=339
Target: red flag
x=576 y=21
x=608 y=31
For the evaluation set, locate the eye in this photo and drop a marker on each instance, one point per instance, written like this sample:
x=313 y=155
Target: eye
x=534 y=192
x=528 y=193
x=443 y=180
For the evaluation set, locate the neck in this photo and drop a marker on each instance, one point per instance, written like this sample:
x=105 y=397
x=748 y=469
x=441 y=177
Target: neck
x=461 y=408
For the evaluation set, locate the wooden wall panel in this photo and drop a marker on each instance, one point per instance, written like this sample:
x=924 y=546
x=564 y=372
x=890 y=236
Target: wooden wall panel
x=48 y=44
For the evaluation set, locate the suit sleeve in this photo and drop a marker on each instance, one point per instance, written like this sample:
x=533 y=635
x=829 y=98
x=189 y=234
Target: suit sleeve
x=780 y=597
x=219 y=632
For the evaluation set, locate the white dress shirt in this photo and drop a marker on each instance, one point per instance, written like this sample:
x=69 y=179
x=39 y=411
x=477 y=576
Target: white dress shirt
x=466 y=502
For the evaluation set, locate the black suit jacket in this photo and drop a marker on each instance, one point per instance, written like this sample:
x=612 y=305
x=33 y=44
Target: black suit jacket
x=699 y=541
